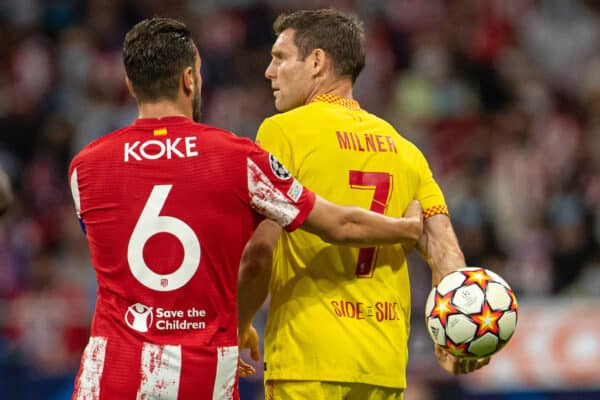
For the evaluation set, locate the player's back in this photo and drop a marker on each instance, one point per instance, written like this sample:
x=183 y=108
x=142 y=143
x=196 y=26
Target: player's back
x=340 y=313
x=166 y=220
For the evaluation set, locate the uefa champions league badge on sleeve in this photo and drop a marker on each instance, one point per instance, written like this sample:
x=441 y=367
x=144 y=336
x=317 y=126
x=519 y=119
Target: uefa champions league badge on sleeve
x=278 y=168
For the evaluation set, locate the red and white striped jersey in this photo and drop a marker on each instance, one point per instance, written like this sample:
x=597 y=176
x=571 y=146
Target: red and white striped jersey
x=168 y=206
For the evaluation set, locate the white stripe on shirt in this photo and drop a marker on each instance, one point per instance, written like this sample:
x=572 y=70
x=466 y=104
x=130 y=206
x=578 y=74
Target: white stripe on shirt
x=227 y=359
x=161 y=369
x=268 y=200
x=88 y=385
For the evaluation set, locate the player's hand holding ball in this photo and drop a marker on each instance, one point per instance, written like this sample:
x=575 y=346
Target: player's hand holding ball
x=470 y=315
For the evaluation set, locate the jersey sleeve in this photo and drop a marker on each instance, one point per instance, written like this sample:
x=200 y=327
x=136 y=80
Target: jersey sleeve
x=74 y=186
x=275 y=193
x=429 y=193
x=271 y=137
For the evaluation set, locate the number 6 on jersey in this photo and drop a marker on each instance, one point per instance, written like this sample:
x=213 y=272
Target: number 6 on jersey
x=151 y=223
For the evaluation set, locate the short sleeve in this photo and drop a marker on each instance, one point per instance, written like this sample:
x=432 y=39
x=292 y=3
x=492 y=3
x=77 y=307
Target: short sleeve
x=429 y=193
x=274 y=193
x=272 y=138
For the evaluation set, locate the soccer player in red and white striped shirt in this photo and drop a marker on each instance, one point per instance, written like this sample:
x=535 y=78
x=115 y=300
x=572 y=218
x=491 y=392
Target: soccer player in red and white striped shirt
x=167 y=205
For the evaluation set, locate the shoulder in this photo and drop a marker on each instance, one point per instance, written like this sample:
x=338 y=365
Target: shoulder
x=301 y=113
x=102 y=145
x=405 y=146
x=288 y=124
x=223 y=137
x=233 y=149
x=389 y=128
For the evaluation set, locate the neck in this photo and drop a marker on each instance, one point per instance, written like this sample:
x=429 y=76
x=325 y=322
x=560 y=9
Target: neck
x=163 y=108
x=340 y=87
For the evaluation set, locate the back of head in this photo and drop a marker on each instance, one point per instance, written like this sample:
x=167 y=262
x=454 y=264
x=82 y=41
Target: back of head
x=155 y=51
x=340 y=35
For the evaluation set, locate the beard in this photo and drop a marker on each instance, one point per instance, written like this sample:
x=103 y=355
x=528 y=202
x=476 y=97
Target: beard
x=197 y=104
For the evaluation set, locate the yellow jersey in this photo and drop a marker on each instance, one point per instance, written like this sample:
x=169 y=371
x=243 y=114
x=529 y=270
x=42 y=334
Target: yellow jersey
x=338 y=313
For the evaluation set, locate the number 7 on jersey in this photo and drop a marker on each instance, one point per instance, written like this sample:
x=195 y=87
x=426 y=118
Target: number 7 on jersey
x=381 y=184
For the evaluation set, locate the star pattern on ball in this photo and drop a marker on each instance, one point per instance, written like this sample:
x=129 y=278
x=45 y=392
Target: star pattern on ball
x=513 y=300
x=477 y=276
x=459 y=350
x=443 y=307
x=487 y=320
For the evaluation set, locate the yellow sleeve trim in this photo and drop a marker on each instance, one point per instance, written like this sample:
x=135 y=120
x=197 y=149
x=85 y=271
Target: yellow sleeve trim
x=431 y=211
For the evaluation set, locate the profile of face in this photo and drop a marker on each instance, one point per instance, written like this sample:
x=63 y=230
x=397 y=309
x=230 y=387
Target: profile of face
x=291 y=77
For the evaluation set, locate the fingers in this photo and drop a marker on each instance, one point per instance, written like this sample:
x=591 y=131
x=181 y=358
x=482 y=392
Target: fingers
x=463 y=366
x=414 y=212
x=414 y=219
x=440 y=353
x=482 y=362
x=248 y=339
x=251 y=342
x=466 y=366
x=458 y=366
x=413 y=209
x=244 y=369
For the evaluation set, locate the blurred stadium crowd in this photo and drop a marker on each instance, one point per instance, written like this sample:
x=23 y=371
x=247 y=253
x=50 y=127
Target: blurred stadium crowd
x=503 y=97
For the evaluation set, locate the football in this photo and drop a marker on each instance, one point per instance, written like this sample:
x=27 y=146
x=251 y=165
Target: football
x=472 y=312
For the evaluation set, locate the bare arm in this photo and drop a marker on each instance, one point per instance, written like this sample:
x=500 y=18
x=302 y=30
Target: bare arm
x=334 y=224
x=253 y=287
x=255 y=271
x=356 y=226
x=439 y=247
x=5 y=192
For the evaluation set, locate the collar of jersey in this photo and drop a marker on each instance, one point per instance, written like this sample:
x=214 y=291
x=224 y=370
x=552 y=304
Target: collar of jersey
x=175 y=119
x=340 y=101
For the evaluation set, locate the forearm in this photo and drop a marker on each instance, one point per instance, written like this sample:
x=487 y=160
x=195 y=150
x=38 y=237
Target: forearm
x=439 y=247
x=365 y=228
x=255 y=272
x=253 y=289
x=359 y=227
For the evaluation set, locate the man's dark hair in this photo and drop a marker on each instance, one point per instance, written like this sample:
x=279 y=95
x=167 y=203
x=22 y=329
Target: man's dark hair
x=340 y=35
x=155 y=51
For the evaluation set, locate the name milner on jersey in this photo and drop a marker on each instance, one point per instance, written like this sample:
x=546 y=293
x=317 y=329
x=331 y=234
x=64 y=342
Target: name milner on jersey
x=179 y=147
x=366 y=142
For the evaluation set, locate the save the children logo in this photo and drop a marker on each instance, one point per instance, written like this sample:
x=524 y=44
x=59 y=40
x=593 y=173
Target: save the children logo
x=139 y=317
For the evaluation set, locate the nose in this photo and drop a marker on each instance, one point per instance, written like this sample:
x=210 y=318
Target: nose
x=270 y=71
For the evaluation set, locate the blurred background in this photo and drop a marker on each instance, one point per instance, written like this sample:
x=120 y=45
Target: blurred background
x=502 y=96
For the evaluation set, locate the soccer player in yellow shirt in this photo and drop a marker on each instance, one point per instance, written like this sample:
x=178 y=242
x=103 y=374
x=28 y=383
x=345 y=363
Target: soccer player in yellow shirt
x=339 y=317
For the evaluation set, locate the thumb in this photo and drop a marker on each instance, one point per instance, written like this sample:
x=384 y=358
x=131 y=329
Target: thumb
x=413 y=209
x=255 y=352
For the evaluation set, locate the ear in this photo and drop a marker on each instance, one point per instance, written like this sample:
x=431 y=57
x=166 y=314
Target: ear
x=188 y=81
x=320 y=62
x=130 y=87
